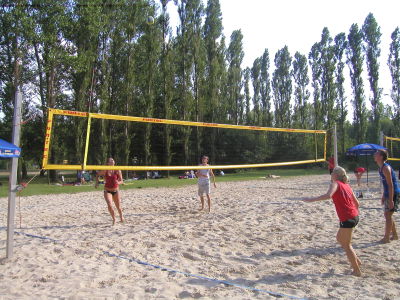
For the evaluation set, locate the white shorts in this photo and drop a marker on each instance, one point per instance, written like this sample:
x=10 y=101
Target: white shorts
x=204 y=188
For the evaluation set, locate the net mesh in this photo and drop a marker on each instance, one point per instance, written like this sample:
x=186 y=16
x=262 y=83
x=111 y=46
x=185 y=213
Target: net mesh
x=393 y=146
x=78 y=140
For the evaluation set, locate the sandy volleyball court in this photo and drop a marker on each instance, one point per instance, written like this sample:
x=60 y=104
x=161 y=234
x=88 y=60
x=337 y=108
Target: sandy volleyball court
x=258 y=236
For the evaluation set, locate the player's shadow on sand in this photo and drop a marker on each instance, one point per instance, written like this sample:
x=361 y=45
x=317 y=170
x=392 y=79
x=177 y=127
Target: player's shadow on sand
x=279 y=278
x=317 y=251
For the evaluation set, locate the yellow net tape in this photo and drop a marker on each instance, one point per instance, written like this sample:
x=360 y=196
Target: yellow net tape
x=90 y=116
x=391 y=139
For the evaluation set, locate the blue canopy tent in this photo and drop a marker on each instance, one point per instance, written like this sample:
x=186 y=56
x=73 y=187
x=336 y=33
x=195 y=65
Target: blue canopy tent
x=8 y=150
x=364 y=150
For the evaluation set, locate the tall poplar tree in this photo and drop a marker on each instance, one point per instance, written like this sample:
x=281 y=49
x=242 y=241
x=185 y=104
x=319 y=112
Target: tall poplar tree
x=394 y=66
x=328 y=84
x=247 y=95
x=282 y=88
x=265 y=90
x=340 y=47
x=256 y=80
x=235 y=56
x=301 y=93
x=314 y=58
x=167 y=80
x=51 y=46
x=372 y=39
x=355 y=60
x=148 y=51
x=199 y=62
x=212 y=34
x=184 y=69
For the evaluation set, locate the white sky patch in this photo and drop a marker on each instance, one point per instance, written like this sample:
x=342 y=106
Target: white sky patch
x=299 y=24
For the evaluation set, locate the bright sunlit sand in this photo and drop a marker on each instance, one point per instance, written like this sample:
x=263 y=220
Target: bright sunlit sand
x=258 y=235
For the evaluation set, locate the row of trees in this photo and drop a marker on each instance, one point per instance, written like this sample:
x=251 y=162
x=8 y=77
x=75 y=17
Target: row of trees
x=104 y=56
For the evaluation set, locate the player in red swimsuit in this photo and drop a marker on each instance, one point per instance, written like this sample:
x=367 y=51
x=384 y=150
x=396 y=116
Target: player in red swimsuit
x=346 y=205
x=331 y=164
x=358 y=172
x=112 y=178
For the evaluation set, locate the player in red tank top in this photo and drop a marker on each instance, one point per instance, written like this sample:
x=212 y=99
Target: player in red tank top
x=358 y=172
x=113 y=178
x=346 y=205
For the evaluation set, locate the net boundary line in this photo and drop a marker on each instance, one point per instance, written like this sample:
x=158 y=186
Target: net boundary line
x=140 y=262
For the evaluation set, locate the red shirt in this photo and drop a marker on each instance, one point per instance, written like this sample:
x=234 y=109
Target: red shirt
x=331 y=163
x=360 y=170
x=111 y=179
x=343 y=200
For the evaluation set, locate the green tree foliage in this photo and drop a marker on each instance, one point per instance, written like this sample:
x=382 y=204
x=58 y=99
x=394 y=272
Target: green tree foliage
x=372 y=39
x=149 y=50
x=13 y=58
x=301 y=93
x=247 y=95
x=199 y=64
x=282 y=88
x=213 y=70
x=355 y=59
x=340 y=47
x=265 y=90
x=256 y=79
x=328 y=85
x=107 y=57
x=314 y=58
x=185 y=65
x=394 y=66
x=235 y=58
x=167 y=81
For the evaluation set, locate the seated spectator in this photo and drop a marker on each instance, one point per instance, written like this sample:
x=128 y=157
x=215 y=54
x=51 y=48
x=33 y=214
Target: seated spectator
x=185 y=175
x=86 y=176
x=156 y=175
x=79 y=177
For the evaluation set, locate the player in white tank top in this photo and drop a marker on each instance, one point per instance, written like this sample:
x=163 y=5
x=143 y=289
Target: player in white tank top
x=204 y=182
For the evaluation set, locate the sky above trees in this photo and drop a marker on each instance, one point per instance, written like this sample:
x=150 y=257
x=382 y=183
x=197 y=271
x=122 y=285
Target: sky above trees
x=299 y=24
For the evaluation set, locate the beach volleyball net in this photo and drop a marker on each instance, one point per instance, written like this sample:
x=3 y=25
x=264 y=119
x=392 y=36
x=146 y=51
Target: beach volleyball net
x=393 y=146
x=82 y=141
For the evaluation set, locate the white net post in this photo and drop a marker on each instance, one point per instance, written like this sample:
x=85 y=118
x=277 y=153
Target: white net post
x=13 y=175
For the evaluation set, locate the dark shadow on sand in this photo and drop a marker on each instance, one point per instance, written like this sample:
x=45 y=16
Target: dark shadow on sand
x=318 y=251
x=276 y=279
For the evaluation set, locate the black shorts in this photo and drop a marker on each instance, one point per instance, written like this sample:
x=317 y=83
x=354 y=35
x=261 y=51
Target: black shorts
x=111 y=192
x=350 y=223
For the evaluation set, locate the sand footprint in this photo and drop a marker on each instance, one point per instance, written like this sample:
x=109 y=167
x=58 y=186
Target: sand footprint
x=189 y=256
